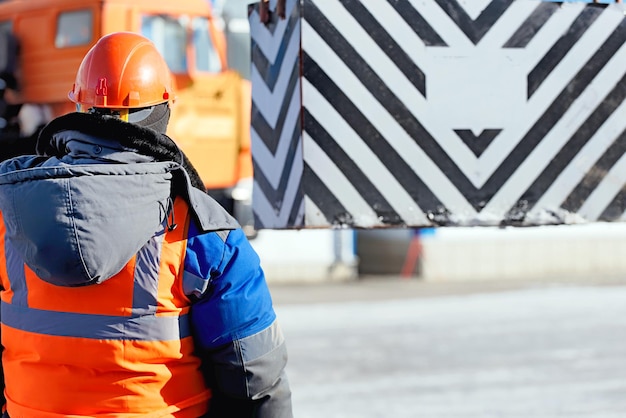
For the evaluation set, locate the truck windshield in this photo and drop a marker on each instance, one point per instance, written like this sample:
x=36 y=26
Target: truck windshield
x=207 y=58
x=169 y=34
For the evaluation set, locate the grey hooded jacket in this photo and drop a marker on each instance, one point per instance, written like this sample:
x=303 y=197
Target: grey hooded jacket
x=66 y=208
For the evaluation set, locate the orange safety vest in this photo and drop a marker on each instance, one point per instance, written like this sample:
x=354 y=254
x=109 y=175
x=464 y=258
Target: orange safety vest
x=122 y=348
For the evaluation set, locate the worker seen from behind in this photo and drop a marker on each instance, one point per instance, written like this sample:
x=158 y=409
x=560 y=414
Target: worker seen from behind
x=126 y=290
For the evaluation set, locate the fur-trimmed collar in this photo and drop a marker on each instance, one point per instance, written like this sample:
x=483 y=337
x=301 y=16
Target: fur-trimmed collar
x=144 y=140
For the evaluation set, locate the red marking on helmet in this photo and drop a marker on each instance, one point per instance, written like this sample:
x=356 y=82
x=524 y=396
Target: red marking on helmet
x=166 y=96
x=101 y=90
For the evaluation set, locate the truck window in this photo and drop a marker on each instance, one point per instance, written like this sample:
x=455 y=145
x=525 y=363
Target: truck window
x=74 y=28
x=168 y=34
x=207 y=58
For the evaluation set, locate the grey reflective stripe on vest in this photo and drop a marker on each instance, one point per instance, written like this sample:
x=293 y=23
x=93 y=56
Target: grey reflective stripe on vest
x=142 y=324
x=142 y=328
x=146 y=277
x=15 y=269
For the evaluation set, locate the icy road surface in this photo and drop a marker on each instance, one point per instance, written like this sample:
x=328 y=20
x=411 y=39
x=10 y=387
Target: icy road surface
x=544 y=351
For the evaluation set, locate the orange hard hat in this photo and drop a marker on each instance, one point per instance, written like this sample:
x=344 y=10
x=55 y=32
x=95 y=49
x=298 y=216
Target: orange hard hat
x=122 y=70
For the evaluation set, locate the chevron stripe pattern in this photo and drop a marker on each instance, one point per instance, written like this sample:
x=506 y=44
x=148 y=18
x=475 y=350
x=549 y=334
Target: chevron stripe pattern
x=387 y=113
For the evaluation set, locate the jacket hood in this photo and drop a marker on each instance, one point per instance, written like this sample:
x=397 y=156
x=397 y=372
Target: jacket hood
x=144 y=140
x=76 y=225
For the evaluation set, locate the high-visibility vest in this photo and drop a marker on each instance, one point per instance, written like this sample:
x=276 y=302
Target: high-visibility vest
x=122 y=348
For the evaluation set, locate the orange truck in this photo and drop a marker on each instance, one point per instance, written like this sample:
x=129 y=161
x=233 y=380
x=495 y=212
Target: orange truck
x=211 y=114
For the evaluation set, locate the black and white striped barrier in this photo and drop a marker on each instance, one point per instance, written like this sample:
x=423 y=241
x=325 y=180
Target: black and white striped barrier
x=387 y=113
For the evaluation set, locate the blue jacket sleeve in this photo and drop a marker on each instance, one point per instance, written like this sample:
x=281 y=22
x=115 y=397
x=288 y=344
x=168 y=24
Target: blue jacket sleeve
x=234 y=300
x=238 y=339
